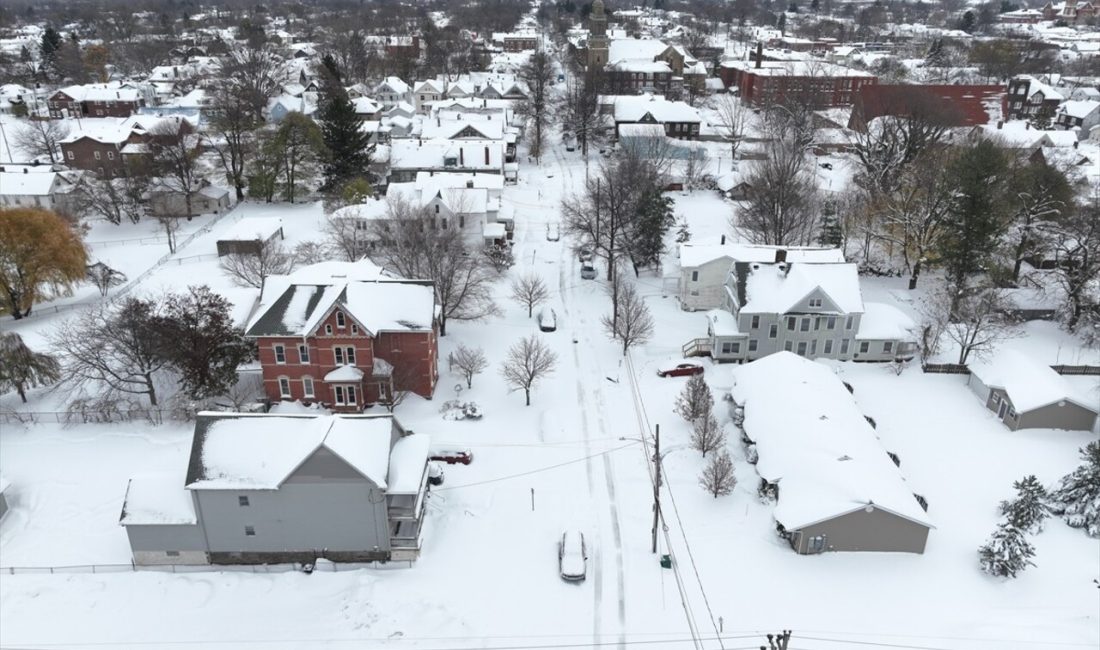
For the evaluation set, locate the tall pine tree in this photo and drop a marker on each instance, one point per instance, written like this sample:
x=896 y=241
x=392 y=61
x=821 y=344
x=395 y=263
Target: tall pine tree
x=348 y=149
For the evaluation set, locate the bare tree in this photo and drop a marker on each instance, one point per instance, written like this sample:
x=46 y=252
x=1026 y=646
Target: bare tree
x=104 y=277
x=173 y=155
x=887 y=145
x=580 y=111
x=528 y=361
x=232 y=125
x=696 y=400
x=718 y=478
x=706 y=434
x=1075 y=241
x=538 y=74
x=41 y=138
x=415 y=247
x=530 y=291
x=695 y=168
x=252 y=269
x=631 y=323
x=732 y=117
x=112 y=351
x=22 y=368
x=780 y=208
x=975 y=321
x=114 y=200
x=469 y=362
x=402 y=379
x=171 y=226
x=347 y=236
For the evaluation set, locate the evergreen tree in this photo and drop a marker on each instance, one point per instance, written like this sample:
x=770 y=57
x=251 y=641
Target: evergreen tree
x=831 y=232
x=682 y=233
x=348 y=149
x=781 y=23
x=974 y=220
x=654 y=219
x=1077 y=498
x=695 y=401
x=967 y=22
x=1030 y=507
x=1006 y=553
x=49 y=46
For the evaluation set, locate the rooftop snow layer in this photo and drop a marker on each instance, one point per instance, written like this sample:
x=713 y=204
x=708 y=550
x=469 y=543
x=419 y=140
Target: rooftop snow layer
x=259 y=452
x=250 y=228
x=884 y=322
x=407 y=462
x=814 y=442
x=1028 y=383
x=692 y=255
x=157 y=500
x=771 y=289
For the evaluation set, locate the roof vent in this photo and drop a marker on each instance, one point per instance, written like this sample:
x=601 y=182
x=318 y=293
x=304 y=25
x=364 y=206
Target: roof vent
x=844 y=457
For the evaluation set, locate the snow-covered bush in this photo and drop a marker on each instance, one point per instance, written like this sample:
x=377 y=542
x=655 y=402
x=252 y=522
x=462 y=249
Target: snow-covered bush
x=717 y=478
x=695 y=401
x=1030 y=507
x=1077 y=498
x=706 y=434
x=1006 y=553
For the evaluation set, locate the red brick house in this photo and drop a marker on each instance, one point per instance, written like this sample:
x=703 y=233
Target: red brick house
x=104 y=147
x=94 y=100
x=1071 y=11
x=948 y=105
x=346 y=343
x=814 y=83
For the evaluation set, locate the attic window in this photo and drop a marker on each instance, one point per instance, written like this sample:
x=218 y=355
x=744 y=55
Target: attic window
x=815 y=302
x=340 y=321
x=328 y=329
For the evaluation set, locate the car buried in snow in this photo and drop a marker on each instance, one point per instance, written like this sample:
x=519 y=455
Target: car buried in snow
x=572 y=556
x=452 y=456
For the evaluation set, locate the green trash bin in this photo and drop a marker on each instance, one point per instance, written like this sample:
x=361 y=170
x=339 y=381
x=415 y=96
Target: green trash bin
x=666 y=561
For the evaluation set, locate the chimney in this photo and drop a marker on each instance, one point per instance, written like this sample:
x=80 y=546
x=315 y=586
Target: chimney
x=486 y=156
x=759 y=54
x=1000 y=124
x=1027 y=126
x=723 y=240
x=780 y=255
x=469 y=185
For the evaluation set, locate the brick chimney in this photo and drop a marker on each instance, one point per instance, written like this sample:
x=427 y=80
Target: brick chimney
x=461 y=158
x=759 y=54
x=486 y=156
x=780 y=255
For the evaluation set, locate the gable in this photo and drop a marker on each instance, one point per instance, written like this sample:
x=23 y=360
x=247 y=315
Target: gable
x=324 y=465
x=469 y=132
x=827 y=303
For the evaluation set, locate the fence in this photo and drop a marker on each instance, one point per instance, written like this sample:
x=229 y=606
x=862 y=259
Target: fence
x=320 y=567
x=962 y=369
x=88 y=416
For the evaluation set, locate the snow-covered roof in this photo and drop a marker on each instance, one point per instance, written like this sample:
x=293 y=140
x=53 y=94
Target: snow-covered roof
x=881 y=321
x=101 y=93
x=392 y=84
x=1036 y=86
x=157 y=500
x=366 y=106
x=1080 y=108
x=344 y=373
x=722 y=323
x=692 y=255
x=1028 y=383
x=634 y=108
x=433 y=154
x=778 y=288
x=634 y=48
x=407 y=462
x=260 y=451
x=29 y=184
x=4 y=484
x=372 y=209
x=814 y=442
x=451 y=129
x=494 y=230
x=252 y=228
x=816 y=69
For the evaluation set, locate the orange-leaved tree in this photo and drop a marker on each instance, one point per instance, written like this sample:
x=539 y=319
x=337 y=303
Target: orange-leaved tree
x=38 y=249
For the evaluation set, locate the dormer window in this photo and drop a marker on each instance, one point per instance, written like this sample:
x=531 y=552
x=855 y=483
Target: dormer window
x=340 y=322
x=815 y=302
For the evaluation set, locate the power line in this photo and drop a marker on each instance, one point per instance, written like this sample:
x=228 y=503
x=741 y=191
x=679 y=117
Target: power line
x=543 y=646
x=534 y=471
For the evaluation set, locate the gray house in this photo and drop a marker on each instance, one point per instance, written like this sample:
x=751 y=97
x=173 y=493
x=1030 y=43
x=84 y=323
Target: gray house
x=285 y=488
x=1026 y=394
x=836 y=488
x=815 y=310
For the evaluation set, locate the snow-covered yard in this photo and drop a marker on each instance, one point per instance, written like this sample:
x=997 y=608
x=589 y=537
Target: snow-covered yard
x=487 y=576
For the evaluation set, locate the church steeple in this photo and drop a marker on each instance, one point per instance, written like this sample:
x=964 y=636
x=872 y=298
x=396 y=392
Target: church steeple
x=597 y=36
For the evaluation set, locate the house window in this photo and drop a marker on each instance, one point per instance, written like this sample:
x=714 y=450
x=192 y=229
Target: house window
x=790 y=323
x=242 y=501
x=755 y=322
x=787 y=345
x=830 y=323
x=1011 y=413
x=328 y=329
x=461 y=221
x=815 y=302
x=888 y=347
x=437 y=208
x=828 y=346
x=844 y=346
x=752 y=345
x=303 y=353
x=773 y=330
x=96 y=154
x=339 y=354
x=996 y=399
x=801 y=348
x=70 y=155
x=172 y=553
x=110 y=155
x=345 y=395
x=280 y=354
x=340 y=322
x=284 y=386
x=694 y=276
x=354 y=328
x=805 y=325
x=817 y=324
x=864 y=347
x=249 y=531
x=344 y=355
x=307 y=387
x=849 y=322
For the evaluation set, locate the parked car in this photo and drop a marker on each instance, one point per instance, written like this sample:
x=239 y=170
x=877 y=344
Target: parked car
x=452 y=456
x=585 y=253
x=570 y=144
x=588 y=272
x=548 y=319
x=572 y=556
x=682 y=370
x=553 y=232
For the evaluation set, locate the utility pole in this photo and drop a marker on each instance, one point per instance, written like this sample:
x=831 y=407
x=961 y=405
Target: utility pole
x=778 y=641
x=656 y=483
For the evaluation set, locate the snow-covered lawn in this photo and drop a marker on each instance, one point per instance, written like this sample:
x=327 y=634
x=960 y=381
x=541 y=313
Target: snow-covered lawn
x=488 y=573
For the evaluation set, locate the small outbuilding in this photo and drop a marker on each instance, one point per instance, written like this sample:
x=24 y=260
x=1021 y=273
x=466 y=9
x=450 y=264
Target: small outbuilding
x=250 y=235
x=1026 y=394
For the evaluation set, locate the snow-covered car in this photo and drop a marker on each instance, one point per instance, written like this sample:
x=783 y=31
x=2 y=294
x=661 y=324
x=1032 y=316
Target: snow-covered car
x=572 y=556
x=682 y=370
x=588 y=272
x=548 y=320
x=585 y=253
x=452 y=456
x=570 y=143
x=553 y=232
